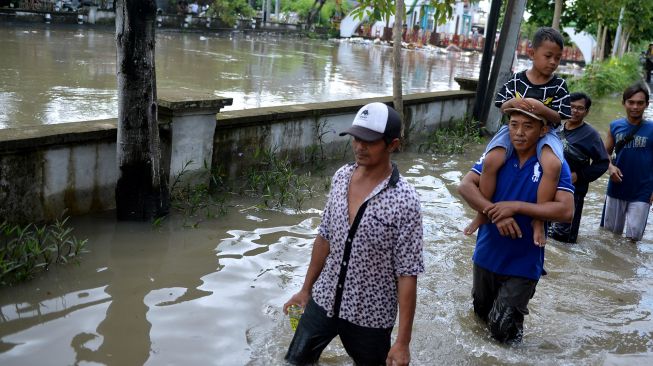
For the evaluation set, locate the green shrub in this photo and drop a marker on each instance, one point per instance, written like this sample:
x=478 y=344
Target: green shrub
x=607 y=77
x=453 y=138
x=25 y=250
x=229 y=11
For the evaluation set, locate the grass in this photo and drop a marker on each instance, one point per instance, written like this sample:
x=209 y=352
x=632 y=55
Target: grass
x=197 y=201
x=26 y=250
x=453 y=138
x=277 y=181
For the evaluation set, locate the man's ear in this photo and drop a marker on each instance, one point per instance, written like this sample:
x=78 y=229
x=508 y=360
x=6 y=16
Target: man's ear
x=394 y=145
x=544 y=130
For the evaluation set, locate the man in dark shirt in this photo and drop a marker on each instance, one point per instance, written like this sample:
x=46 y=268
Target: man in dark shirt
x=587 y=158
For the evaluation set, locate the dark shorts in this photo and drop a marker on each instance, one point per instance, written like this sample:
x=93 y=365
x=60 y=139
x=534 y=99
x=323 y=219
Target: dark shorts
x=367 y=346
x=502 y=301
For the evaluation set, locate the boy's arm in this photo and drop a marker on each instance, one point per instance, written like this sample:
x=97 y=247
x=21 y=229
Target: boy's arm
x=561 y=209
x=469 y=190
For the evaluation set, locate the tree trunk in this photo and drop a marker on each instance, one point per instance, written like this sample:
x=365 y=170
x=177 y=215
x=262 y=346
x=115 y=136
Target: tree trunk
x=557 y=12
x=397 y=94
x=315 y=9
x=142 y=189
x=597 y=48
x=602 y=43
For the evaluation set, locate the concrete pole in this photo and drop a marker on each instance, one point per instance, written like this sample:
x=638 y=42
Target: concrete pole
x=486 y=61
x=503 y=61
x=276 y=9
x=617 y=37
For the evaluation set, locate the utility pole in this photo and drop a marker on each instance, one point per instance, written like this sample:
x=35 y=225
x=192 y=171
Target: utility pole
x=501 y=69
x=486 y=61
x=617 y=37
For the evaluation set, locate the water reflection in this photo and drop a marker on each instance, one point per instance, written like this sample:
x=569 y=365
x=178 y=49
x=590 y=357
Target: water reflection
x=58 y=74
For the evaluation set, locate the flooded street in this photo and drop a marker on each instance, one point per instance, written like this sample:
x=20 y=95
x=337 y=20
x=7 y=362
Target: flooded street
x=213 y=295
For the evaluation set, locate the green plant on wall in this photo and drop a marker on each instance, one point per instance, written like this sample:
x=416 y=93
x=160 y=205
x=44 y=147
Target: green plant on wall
x=26 y=250
x=453 y=138
x=197 y=201
x=229 y=11
x=277 y=181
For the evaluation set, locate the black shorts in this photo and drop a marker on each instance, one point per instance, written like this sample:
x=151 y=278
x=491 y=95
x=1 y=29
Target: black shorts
x=502 y=301
x=367 y=346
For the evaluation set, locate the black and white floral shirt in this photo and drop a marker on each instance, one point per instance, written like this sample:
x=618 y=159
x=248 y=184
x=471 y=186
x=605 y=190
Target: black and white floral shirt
x=388 y=244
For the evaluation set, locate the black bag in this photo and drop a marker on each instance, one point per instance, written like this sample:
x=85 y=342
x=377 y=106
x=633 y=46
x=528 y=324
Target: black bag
x=573 y=155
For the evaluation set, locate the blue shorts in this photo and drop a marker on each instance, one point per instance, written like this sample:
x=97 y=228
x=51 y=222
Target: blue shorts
x=502 y=139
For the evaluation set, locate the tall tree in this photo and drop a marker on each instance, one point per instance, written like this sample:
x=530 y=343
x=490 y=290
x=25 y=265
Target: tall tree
x=386 y=8
x=142 y=189
x=397 y=90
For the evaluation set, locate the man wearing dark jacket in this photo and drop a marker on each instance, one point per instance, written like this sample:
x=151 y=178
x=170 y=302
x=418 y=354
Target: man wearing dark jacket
x=587 y=158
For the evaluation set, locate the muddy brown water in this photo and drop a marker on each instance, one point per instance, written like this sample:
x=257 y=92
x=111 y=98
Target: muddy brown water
x=172 y=295
x=58 y=74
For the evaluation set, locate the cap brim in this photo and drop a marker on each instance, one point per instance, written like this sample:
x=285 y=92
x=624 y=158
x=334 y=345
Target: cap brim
x=510 y=111
x=362 y=133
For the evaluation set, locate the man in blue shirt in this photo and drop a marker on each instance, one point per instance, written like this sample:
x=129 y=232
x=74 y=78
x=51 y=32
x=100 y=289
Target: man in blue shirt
x=630 y=188
x=507 y=261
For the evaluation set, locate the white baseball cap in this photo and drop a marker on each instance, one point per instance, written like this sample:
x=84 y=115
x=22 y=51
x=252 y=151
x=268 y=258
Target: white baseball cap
x=375 y=121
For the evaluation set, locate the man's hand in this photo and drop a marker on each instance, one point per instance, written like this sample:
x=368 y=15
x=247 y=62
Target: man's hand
x=509 y=227
x=574 y=177
x=399 y=355
x=501 y=210
x=301 y=298
x=615 y=173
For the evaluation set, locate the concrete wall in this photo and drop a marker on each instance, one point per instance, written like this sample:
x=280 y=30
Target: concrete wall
x=294 y=129
x=47 y=169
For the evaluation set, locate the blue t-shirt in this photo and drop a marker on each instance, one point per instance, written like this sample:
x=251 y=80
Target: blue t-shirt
x=501 y=254
x=635 y=161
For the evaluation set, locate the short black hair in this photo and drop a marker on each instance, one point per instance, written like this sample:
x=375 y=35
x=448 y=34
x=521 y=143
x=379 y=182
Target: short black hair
x=548 y=34
x=578 y=96
x=634 y=89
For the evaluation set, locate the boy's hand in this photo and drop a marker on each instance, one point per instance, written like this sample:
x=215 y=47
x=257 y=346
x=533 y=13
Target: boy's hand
x=501 y=210
x=535 y=105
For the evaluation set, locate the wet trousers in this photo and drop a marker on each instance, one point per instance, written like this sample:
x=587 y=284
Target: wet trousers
x=501 y=301
x=366 y=346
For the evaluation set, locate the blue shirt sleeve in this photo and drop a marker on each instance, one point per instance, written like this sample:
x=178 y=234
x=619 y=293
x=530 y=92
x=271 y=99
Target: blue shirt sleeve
x=564 y=184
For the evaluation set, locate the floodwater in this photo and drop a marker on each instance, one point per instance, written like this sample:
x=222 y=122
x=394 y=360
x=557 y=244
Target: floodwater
x=172 y=295
x=58 y=74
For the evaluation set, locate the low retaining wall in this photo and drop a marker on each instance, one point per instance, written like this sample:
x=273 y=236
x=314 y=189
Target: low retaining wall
x=45 y=170
x=295 y=129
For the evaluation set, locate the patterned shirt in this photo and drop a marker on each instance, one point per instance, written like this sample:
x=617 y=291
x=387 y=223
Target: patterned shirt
x=388 y=244
x=553 y=94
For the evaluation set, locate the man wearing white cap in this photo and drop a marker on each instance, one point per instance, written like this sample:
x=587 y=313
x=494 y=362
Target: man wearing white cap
x=367 y=254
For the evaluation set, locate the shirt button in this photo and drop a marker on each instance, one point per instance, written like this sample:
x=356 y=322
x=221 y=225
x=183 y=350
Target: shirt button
x=344 y=264
x=330 y=314
x=339 y=286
